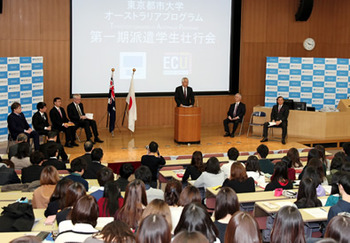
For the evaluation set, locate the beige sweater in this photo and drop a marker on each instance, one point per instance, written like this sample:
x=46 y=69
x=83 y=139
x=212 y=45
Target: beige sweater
x=41 y=196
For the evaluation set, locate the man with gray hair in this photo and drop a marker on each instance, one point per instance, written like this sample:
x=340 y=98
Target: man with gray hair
x=21 y=138
x=184 y=95
x=234 y=115
x=77 y=116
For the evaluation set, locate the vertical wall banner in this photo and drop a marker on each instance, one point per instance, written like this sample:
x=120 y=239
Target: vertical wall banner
x=21 y=80
x=320 y=82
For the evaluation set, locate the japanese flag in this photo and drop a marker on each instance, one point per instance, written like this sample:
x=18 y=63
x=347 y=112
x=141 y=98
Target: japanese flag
x=130 y=99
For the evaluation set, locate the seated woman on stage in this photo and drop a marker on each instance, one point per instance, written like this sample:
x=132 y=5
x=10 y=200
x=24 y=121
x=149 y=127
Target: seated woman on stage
x=254 y=171
x=307 y=197
x=212 y=176
x=239 y=180
x=195 y=169
x=279 y=178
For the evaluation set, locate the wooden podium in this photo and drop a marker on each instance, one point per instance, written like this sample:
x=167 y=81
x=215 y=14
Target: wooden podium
x=187 y=125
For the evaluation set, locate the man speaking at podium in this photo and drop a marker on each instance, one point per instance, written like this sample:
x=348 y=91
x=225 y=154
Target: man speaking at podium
x=184 y=96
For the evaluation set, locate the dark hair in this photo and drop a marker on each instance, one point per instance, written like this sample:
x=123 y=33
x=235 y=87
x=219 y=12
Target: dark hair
x=340 y=154
x=213 y=165
x=346 y=148
x=112 y=194
x=345 y=167
x=238 y=172
x=144 y=174
x=15 y=105
x=293 y=154
x=22 y=150
x=172 y=192
x=288 y=226
x=194 y=217
x=226 y=203
x=242 y=228
x=252 y=164
x=344 y=180
x=233 y=153
x=190 y=237
x=51 y=134
x=313 y=153
x=134 y=201
x=56 y=98
x=78 y=164
x=338 y=228
x=105 y=175
x=88 y=145
x=262 y=150
x=52 y=149
x=153 y=147
x=280 y=172
x=311 y=172
x=36 y=157
x=337 y=163
x=85 y=211
x=197 y=160
x=322 y=152
x=287 y=160
x=40 y=105
x=154 y=228
x=126 y=170
x=307 y=197
x=97 y=154
x=8 y=163
x=116 y=231
x=22 y=137
x=318 y=166
x=73 y=193
x=188 y=195
x=60 y=192
x=334 y=182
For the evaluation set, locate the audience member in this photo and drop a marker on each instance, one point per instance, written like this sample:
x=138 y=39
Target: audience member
x=21 y=138
x=226 y=205
x=7 y=173
x=313 y=153
x=104 y=176
x=323 y=158
x=144 y=174
x=335 y=196
x=338 y=228
x=48 y=180
x=154 y=228
x=212 y=176
x=153 y=160
x=291 y=170
x=232 y=155
x=190 y=237
x=88 y=147
x=239 y=180
x=171 y=196
x=279 y=178
x=195 y=169
x=78 y=167
x=293 y=154
x=83 y=221
x=52 y=151
x=111 y=201
x=33 y=172
x=343 y=204
x=21 y=159
x=95 y=165
x=134 y=203
x=160 y=207
x=189 y=195
x=266 y=165
x=307 y=197
x=242 y=228
x=346 y=149
x=40 y=121
x=288 y=226
x=335 y=167
x=126 y=170
x=27 y=239
x=312 y=173
x=52 y=138
x=254 y=171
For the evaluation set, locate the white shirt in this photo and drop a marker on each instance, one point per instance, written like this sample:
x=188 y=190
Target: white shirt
x=226 y=168
x=209 y=180
x=259 y=178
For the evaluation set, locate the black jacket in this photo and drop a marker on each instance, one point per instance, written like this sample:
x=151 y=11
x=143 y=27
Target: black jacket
x=180 y=98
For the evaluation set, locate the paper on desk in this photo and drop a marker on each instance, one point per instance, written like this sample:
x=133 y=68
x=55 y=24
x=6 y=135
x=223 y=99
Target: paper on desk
x=327 y=188
x=272 y=124
x=316 y=212
x=323 y=201
x=89 y=115
x=282 y=204
x=93 y=189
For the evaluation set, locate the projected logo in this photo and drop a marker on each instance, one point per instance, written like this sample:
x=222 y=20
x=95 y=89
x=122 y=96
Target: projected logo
x=177 y=63
x=130 y=60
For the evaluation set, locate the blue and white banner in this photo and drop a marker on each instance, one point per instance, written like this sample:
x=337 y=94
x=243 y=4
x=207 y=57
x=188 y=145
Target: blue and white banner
x=21 y=80
x=320 y=82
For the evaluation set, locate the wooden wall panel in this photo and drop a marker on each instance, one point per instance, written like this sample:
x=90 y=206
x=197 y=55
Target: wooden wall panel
x=254 y=20
x=5 y=21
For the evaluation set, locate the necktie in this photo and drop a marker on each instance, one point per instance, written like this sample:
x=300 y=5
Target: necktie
x=43 y=116
x=59 y=111
x=279 y=108
x=79 y=111
x=185 y=92
x=235 y=110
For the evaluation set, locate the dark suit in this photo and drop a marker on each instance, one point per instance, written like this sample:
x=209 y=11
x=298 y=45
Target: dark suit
x=180 y=97
x=87 y=157
x=85 y=123
x=57 y=120
x=61 y=153
x=240 y=112
x=31 y=173
x=8 y=176
x=282 y=115
x=39 y=123
x=92 y=169
x=55 y=163
x=17 y=123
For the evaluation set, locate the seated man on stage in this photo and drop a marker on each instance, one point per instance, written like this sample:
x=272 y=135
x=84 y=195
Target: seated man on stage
x=60 y=122
x=184 y=95
x=279 y=118
x=40 y=121
x=234 y=115
x=17 y=124
x=76 y=114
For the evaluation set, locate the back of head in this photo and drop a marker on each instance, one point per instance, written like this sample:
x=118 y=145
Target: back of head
x=213 y=165
x=49 y=176
x=22 y=137
x=338 y=228
x=313 y=153
x=154 y=228
x=153 y=147
x=334 y=183
x=293 y=154
x=242 y=228
x=287 y=160
x=233 y=153
x=307 y=192
x=105 y=175
x=117 y=231
x=197 y=160
x=88 y=146
x=238 y=172
x=51 y=135
x=252 y=164
x=312 y=173
x=52 y=149
x=40 y=105
x=344 y=181
x=112 y=194
x=188 y=195
x=345 y=167
x=337 y=163
x=190 y=237
x=85 y=210
x=126 y=170
x=172 y=192
x=226 y=203
x=26 y=239
x=78 y=165
x=144 y=174
x=280 y=171
x=340 y=154
x=74 y=192
x=158 y=206
x=262 y=150
x=97 y=154
x=36 y=157
x=317 y=163
x=346 y=148
x=288 y=226
x=22 y=150
x=60 y=191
